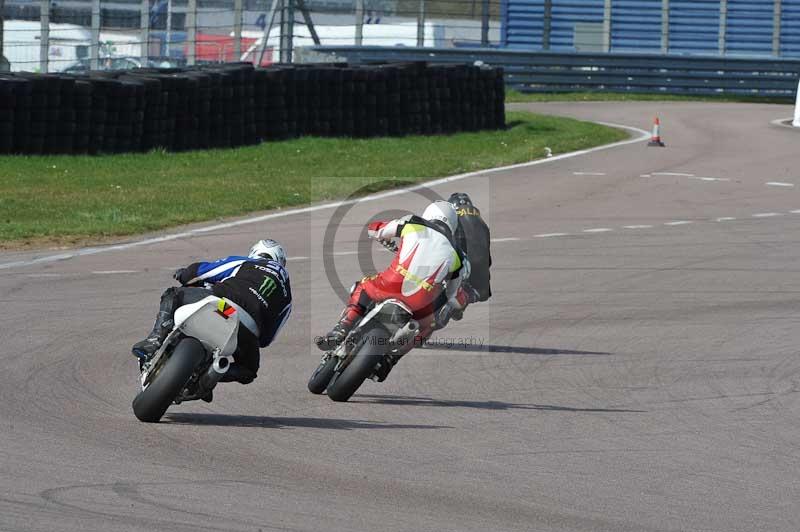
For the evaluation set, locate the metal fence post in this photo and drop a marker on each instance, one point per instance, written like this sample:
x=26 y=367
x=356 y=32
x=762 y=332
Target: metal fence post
x=169 y=28
x=44 y=39
x=191 y=31
x=723 y=26
x=270 y=22
x=359 y=22
x=237 y=28
x=421 y=24
x=485 y=23
x=776 y=28
x=94 y=48
x=145 y=27
x=664 y=26
x=287 y=31
x=301 y=5
x=2 y=23
x=607 y=26
x=548 y=24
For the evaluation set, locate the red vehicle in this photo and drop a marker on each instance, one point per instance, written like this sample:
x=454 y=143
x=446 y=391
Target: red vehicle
x=211 y=48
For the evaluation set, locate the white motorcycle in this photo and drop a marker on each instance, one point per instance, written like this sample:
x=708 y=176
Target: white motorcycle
x=373 y=345
x=385 y=333
x=192 y=359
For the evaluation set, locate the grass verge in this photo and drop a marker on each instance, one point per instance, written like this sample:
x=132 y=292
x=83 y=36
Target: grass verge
x=67 y=200
x=513 y=96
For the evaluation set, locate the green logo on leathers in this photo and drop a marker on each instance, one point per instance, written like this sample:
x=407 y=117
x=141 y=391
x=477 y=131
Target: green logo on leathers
x=267 y=287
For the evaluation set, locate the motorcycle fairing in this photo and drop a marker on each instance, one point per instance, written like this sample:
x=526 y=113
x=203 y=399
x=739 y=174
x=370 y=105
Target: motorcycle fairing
x=203 y=321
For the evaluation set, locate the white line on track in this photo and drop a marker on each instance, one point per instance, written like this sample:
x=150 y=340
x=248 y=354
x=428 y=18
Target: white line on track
x=688 y=176
x=714 y=179
x=649 y=226
x=496 y=240
x=288 y=259
x=517 y=239
x=783 y=122
x=642 y=136
x=710 y=178
x=589 y=173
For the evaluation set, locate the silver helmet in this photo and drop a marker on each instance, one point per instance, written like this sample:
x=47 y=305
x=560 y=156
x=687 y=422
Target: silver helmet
x=442 y=211
x=268 y=249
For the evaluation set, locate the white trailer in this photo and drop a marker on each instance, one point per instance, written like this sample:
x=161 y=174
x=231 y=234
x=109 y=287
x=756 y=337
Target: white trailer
x=23 y=38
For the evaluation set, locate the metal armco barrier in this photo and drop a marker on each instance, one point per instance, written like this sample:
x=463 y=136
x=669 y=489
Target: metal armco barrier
x=570 y=72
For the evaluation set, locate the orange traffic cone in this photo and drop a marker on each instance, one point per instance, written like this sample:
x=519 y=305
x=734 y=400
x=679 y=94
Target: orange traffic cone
x=655 y=140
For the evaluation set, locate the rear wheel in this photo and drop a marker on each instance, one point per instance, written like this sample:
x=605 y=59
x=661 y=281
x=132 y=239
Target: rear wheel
x=153 y=401
x=369 y=352
x=322 y=376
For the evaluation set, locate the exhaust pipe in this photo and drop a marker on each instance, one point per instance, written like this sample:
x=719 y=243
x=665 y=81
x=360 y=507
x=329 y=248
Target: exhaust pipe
x=221 y=365
x=406 y=333
x=215 y=372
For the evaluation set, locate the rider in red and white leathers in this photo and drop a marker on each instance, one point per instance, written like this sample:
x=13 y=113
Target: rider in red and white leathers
x=426 y=256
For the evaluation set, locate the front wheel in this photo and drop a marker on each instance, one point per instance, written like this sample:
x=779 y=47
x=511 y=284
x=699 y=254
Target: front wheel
x=322 y=376
x=153 y=401
x=368 y=353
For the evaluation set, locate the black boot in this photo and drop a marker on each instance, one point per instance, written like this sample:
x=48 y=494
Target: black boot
x=334 y=338
x=208 y=397
x=145 y=349
x=238 y=373
x=351 y=315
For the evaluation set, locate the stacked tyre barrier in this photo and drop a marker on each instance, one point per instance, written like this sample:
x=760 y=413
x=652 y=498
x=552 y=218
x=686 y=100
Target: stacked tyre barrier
x=229 y=105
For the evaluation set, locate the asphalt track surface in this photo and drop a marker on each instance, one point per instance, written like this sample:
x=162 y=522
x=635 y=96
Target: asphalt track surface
x=637 y=373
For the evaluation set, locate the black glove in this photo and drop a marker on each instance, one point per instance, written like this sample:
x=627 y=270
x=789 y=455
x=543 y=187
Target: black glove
x=442 y=317
x=178 y=275
x=472 y=294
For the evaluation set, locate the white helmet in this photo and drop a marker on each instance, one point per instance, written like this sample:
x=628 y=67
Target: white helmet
x=442 y=211
x=268 y=249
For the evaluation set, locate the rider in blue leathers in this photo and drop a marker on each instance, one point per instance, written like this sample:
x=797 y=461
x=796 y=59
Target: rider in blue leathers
x=258 y=285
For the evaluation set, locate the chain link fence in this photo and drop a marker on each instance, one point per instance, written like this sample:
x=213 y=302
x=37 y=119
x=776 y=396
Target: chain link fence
x=81 y=35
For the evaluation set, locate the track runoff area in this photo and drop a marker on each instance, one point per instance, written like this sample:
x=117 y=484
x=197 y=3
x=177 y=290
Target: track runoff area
x=636 y=368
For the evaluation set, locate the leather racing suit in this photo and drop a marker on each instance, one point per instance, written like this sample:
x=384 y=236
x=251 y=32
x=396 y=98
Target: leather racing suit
x=259 y=289
x=426 y=257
